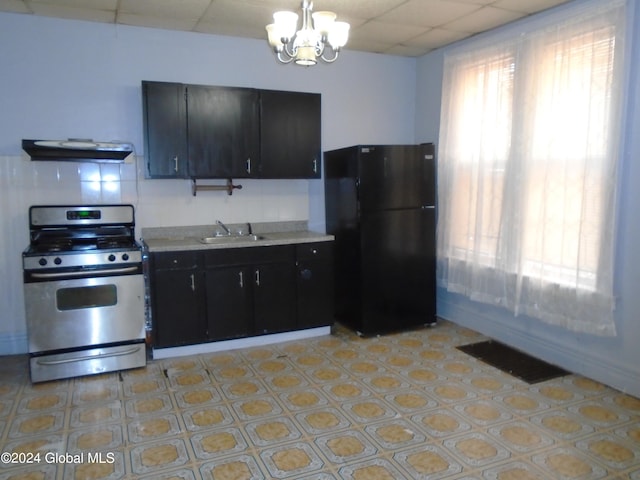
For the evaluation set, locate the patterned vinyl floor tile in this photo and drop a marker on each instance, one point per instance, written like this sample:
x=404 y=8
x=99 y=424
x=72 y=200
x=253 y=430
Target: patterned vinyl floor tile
x=407 y=405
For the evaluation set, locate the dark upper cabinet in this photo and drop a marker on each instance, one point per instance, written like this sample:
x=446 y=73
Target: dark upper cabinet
x=290 y=134
x=165 y=130
x=223 y=131
x=198 y=131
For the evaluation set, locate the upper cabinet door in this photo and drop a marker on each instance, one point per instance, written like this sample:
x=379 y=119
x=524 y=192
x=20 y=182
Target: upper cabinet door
x=223 y=132
x=165 y=130
x=290 y=134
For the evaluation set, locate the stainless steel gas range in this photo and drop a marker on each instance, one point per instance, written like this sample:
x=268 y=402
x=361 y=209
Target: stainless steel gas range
x=84 y=291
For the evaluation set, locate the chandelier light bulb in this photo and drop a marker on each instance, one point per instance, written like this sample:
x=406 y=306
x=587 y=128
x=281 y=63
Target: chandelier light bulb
x=286 y=23
x=323 y=22
x=339 y=34
x=275 y=38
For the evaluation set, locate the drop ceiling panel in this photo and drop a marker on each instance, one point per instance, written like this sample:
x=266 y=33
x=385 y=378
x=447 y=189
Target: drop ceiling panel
x=14 y=6
x=82 y=4
x=167 y=23
x=476 y=2
x=432 y=13
x=74 y=13
x=436 y=38
x=356 y=8
x=398 y=27
x=484 y=19
x=238 y=13
x=526 y=6
x=165 y=8
x=385 y=32
x=405 y=50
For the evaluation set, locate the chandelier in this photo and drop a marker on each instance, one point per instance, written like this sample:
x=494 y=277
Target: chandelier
x=319 y=34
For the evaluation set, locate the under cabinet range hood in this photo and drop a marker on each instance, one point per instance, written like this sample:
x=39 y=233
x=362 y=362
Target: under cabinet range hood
x=77 y=150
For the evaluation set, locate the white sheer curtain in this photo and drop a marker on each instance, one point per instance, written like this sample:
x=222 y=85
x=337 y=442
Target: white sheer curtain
x=527 y=169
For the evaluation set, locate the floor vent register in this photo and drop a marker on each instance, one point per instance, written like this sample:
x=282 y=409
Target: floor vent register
x=513 y=362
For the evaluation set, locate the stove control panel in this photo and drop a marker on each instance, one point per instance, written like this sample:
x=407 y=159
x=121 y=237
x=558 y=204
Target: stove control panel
x=80 y=260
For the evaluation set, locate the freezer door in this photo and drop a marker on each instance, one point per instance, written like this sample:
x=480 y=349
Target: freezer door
x=398 y=269
x=396 y=176
x=341 y=189
x=342 y=220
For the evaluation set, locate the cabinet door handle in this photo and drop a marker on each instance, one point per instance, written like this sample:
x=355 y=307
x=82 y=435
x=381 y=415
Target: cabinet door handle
x=315 y=165
x=258 y=277
x=249 y=165
x=193 y=282
x=241 y=279
x=175 y=166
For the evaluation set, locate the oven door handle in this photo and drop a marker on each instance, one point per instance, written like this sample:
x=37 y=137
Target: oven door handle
x=121 y=353
x=90 y=273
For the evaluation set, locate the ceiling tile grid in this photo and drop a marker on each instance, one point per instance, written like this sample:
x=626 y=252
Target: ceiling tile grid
x=397 y=27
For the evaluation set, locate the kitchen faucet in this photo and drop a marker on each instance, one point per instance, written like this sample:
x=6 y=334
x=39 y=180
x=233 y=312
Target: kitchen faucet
x=224 y=227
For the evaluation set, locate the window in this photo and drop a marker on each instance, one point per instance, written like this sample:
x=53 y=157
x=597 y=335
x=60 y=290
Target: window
x=527 y=170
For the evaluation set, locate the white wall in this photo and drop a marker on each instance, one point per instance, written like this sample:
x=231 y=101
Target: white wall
x=613 y=361
x=64 y=79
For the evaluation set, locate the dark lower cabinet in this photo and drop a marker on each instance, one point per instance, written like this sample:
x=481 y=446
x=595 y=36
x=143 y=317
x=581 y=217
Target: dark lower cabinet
x=261 y=277
x=229 y=306
x=223 y=294
x=274 y=296
x=178 y=302
x=315 y=299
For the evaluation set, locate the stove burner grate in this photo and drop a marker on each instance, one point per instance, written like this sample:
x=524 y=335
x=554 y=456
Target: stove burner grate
x=57 y=245
x=71 y=244
x=107 y=243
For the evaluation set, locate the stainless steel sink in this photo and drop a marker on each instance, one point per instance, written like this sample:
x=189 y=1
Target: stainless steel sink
x=231 y=239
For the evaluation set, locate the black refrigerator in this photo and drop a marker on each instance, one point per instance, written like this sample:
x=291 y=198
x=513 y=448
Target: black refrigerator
x=380 y=206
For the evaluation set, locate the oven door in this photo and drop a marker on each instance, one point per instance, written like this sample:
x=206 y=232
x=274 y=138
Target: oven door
x=83 y=312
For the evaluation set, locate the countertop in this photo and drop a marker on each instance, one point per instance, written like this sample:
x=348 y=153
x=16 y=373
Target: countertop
x=168 y=239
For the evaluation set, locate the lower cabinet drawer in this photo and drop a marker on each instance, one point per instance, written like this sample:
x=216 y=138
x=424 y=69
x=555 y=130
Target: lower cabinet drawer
x=316 y=250
x=248 y=255
x=175 y=260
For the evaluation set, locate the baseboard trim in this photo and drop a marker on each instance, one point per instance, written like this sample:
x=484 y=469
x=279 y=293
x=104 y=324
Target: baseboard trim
x=13 y=344
x=603 y=370
x=261 y=340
